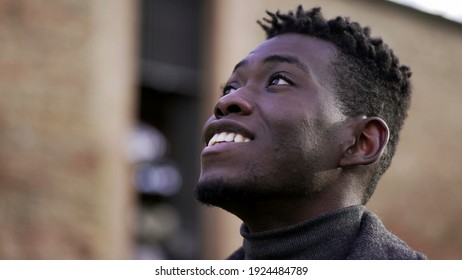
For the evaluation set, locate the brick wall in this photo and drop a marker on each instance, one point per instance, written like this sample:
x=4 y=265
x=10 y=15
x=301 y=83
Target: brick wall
x=66 y=95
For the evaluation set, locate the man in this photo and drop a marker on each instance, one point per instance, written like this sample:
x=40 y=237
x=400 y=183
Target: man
x=307 y=124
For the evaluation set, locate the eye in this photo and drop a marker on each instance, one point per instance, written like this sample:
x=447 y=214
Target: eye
x=279 y=79
x=228 y=89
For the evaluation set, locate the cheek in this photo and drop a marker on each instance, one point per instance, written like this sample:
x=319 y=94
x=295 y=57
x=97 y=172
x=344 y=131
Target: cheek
x=291 y=143
x=295 y=128
x=304 y=143
x=301 y=133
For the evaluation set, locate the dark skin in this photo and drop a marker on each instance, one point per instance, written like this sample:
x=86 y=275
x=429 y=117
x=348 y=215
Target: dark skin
x=297 y=155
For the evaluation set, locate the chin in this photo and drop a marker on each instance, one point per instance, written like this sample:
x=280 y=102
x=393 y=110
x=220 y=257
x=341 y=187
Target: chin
x=223 y=193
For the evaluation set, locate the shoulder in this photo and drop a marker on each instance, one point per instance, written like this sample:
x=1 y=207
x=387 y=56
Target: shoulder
x=239 y=254
x=375 y=242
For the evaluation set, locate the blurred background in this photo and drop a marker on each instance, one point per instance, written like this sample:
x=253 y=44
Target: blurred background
x=102 y=104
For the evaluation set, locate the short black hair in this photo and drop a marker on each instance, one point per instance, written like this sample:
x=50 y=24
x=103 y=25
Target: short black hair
x=368 y=78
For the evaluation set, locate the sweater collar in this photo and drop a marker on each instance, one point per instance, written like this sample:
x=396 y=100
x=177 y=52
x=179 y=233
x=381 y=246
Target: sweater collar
x=329 y=236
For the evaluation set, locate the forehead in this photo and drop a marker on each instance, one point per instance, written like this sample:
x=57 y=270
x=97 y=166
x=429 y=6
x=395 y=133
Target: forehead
x=315 y=53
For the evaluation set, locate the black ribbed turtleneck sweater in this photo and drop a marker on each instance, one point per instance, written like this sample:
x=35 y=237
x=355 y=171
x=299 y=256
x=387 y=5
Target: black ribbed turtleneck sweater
x=348 y=233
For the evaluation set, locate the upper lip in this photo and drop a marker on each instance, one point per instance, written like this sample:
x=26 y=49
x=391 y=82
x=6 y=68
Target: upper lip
x=218 y=126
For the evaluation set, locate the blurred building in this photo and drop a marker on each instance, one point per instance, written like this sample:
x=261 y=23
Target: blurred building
x=169 y=100
x=67 y=90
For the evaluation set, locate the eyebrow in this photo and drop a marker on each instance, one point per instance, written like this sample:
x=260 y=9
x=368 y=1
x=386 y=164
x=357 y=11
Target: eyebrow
x=278 y=59
x=240 y=64
x=287 y=59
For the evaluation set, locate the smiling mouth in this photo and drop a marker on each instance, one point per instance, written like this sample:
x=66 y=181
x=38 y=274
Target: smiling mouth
x=227 y=137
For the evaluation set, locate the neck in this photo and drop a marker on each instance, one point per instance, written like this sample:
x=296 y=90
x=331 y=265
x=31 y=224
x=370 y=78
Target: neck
x=268 y=214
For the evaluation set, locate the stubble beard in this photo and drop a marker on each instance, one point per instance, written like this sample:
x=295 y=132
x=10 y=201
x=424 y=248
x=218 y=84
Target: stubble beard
x=223 y=193
x=229 y=195
x=286 y=180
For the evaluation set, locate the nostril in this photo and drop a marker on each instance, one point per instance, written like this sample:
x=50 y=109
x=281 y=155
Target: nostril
x=234 y=108
x=232 y=104
x=219 y=113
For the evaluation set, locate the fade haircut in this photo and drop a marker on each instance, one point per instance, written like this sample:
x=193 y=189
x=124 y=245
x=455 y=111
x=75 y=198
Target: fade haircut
x=368 y=77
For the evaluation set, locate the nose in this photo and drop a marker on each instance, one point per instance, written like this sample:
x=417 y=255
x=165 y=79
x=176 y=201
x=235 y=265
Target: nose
x=233 y=103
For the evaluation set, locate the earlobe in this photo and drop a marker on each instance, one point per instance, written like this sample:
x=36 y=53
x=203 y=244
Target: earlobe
x=368 y=138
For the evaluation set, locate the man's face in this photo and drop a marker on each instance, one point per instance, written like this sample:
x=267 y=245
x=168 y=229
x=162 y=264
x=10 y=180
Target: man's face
x=275 y=131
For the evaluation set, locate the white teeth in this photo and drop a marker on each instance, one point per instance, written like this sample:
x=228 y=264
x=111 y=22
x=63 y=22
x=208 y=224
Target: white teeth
x=221 y=137
x=238 y=138
x=227 y=137
x=213 y=140
x=230 y=137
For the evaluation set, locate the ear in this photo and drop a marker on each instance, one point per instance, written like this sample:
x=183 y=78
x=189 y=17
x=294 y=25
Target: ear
x=365 y=141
